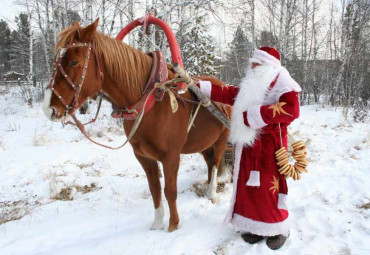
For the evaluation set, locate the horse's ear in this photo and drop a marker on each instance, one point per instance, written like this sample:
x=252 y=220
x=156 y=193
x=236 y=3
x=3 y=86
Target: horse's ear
x=78 y=27
x=76 y=24
x=88 y=33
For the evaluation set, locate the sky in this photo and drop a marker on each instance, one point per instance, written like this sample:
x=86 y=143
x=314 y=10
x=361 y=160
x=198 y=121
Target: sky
x=8 y=10
x=222 y=33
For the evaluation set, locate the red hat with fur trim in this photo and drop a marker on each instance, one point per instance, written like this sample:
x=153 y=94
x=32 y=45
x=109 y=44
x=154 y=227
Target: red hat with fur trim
x=266 y=55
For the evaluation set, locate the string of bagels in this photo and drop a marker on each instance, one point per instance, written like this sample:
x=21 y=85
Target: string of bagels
x=299 y=154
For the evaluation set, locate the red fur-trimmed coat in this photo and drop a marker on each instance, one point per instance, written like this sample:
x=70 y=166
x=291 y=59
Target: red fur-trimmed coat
x=258 y=203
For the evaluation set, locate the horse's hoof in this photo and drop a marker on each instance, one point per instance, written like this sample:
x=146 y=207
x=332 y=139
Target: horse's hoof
x=157 y=226
x=212 y=194
x=215 y=200
x=172 y=228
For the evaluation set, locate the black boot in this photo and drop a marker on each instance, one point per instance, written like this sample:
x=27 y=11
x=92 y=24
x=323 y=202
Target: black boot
x=252 y=238
x=276 y=242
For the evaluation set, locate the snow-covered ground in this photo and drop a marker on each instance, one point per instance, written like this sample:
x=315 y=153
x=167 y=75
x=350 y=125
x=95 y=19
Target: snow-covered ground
x=60 y=194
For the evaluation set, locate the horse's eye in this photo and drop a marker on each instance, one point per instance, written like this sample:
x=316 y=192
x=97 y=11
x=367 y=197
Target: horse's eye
x=73 y=63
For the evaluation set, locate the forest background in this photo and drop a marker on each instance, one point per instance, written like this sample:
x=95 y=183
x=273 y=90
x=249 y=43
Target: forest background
x=325 y=44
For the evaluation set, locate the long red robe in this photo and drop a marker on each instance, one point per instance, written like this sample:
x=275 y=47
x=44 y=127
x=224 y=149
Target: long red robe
x=258 y=203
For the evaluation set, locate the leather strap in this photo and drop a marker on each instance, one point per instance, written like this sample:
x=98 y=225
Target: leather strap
x=158 y=74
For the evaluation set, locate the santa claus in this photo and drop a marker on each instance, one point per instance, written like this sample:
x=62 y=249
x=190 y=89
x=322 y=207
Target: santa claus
x=265 y=103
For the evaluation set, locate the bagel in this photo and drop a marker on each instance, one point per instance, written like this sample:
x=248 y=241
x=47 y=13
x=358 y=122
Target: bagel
x=282 y=157
x=284 y=169
x=280 y=152
x=283 y=162
x=301 y=163
x=298 y=144
x=300 y=169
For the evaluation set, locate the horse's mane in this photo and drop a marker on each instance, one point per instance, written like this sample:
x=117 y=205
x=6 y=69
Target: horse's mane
x=127 y=66
x=66 y=36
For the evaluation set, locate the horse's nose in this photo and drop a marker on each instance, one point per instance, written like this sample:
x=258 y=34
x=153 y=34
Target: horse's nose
x=55 y=113
x=52 y=112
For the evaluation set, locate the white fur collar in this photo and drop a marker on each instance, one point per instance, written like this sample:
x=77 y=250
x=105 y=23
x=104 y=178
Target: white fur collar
x=253 y=90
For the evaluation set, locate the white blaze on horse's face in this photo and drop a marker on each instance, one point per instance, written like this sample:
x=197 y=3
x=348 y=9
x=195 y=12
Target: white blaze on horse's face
x=48 y=110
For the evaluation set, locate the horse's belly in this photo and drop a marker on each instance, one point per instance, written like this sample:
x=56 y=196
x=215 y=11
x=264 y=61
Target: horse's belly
x=205 y=132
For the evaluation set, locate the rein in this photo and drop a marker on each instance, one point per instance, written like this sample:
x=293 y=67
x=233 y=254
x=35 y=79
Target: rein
x=134 y=127
x=155 y=87
x=77 y=88
x=132 y=132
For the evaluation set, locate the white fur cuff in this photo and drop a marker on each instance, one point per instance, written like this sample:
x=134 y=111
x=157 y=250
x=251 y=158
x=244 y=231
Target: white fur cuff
x=259 y=227
x=254 y=117
x=205 y=87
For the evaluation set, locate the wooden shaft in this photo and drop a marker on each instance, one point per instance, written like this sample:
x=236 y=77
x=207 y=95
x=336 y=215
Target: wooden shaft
x=205 y=101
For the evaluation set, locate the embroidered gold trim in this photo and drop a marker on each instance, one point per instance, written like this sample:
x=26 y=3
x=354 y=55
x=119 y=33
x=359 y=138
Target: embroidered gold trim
x=278 y=108
x=275 y=185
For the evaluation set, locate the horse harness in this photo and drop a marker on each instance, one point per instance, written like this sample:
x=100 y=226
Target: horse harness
x=150 y=95
x=155 y=88
x=77 y=88
x=73 y=105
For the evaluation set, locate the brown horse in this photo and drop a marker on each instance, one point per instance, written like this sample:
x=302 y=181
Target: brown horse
x=162 y=135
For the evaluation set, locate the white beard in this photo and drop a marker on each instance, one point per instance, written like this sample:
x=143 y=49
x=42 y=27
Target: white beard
x=253 y=90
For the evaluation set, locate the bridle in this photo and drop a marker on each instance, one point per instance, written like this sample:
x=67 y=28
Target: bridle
x=77 y=88
x=73 y=105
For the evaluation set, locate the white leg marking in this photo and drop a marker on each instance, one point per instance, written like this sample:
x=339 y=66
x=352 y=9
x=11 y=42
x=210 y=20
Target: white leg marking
x=212 y=187
x=158 y=218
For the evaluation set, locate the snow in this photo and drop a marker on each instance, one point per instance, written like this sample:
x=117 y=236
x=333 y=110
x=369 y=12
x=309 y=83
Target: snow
x=68 y=196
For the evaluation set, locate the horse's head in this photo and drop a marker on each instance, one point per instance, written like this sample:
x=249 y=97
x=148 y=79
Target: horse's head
x=76 y=73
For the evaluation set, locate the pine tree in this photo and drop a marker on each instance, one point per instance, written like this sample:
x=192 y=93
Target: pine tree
x=5 y=45
x=181 y=34
x=20 y=45
x=197 y=48
x=267 y=38
x=39 y=59
x=237 y=57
